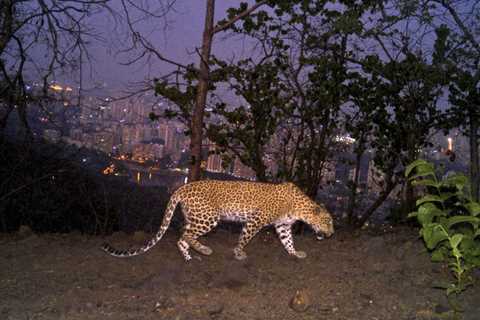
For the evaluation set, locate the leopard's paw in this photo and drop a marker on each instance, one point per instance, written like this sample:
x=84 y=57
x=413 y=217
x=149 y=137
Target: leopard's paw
x=301 y=254
x=239 y=254
x=205 y=250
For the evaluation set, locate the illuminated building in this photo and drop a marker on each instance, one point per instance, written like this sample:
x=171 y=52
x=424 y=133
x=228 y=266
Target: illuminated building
x=214 y=161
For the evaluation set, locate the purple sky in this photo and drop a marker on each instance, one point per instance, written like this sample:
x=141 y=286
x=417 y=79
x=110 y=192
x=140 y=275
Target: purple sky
x=177 y=42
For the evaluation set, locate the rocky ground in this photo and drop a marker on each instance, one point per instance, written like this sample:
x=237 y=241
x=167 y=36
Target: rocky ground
x=362 y=275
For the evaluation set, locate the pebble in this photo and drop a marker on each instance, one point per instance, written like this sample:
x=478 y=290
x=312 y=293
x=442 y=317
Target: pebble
x=301 y=301
x=25 y=231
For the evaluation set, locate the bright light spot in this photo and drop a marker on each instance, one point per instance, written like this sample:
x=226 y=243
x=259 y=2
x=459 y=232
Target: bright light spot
x=450 y=143
x=344 y=139
x=56 y=87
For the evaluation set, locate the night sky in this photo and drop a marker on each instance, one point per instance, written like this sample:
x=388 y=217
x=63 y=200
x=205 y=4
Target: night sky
x=177 y=42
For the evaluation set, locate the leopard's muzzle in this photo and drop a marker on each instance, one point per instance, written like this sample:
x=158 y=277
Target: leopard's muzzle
x=323 y=235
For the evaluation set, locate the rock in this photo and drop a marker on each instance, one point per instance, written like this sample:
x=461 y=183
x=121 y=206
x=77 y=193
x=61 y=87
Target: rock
x=25 y=231
x=301 y=301
x=424 y=314
x=215 y=308
x=164 y=303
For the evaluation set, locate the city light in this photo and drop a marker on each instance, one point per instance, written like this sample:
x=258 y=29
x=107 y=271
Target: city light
x=450 y=144
x=57 y=87
x=344 y=139
x=109 y=170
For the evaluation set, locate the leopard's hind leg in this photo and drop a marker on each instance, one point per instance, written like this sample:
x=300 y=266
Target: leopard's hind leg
x=250 y=229
x=195 y=228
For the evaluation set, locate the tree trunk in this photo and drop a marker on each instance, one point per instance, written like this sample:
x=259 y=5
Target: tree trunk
x=353 y=188
x=7 y=22
x=4 y=118
x=201 y=98
x=391 y=184
x=474 y=166
x=409 y=195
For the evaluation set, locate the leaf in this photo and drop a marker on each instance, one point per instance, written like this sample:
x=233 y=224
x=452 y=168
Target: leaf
x=429 y=198
x=458 y=180
x=426 y=182
x=412 y=214
x=474 y=221
x=453 y=289
x=425 y=167
x=476 y=234
x=447 y=195
x=433 y=234
x=438 y=255
x=441 y=285
x=455 y=240
x=427 y=211
x=473 y=208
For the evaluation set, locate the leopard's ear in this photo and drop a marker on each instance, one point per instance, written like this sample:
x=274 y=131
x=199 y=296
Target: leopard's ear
x=291 y=185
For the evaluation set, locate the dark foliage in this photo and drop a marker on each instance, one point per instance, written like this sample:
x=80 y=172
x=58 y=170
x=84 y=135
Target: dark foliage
x=45 y=187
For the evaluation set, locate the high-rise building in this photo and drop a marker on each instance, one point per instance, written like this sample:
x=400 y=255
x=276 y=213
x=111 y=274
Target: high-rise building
x=103 y=141
x=214 y=160
x=168 y=134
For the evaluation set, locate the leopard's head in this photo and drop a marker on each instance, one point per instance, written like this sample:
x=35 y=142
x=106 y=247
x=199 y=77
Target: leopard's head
x=322 y=223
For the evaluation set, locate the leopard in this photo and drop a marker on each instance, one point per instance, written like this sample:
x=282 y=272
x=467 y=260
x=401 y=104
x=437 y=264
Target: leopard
x=255 y=205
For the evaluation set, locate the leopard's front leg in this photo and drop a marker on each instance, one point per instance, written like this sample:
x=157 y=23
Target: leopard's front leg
x=284 y=232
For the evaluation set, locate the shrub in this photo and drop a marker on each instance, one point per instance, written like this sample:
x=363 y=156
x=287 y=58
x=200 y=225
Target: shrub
x=47 y=188
x=449 y=220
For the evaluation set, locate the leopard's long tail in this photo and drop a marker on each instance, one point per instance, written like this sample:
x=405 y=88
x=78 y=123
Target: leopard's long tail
x=167 y=218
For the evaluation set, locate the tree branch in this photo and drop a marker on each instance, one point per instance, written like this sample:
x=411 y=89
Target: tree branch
x=240 y=16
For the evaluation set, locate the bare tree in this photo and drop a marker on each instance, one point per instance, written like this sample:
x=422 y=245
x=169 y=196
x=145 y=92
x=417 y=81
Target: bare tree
x=37 y=40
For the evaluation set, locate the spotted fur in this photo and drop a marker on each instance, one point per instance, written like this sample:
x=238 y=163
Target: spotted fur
x=205 y=203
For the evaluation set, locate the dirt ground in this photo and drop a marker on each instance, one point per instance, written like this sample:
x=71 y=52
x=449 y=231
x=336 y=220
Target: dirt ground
x=386 y=275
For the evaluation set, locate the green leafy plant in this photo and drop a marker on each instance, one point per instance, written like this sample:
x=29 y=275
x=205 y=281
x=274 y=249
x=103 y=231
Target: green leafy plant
x=449 y=220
